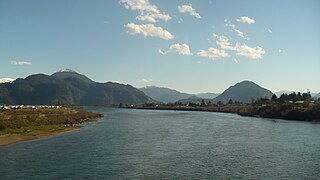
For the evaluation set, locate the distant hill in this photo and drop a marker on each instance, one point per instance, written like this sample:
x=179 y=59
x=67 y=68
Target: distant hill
x=165 y=95
x=244 y=92
x=279 y=93
x=68 y=87
x=207 y=95
x=193 y=99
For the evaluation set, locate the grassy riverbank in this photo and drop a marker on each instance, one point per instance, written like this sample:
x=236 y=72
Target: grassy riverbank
x=25 y=124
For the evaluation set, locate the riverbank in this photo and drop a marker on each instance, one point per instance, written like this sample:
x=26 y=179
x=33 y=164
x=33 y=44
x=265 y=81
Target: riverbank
x=8 y=139
x=276 y=111
x=18 y=125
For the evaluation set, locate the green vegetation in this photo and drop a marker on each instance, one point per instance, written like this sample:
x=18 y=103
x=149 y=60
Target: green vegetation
x=17 y=121
x=295 y=106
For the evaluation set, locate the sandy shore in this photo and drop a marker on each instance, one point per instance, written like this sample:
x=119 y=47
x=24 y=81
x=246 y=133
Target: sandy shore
x=15 y=138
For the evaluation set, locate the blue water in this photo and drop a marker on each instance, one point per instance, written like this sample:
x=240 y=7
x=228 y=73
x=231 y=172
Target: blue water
x=147 y=144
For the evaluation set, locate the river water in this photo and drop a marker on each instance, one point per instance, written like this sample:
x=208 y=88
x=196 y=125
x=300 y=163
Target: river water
x=149 y=144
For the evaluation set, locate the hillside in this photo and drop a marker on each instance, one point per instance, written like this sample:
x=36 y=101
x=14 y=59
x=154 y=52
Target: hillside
x=207 y=95
x=165 y=95
x=193 y=99
x=68 y=87
x=244 y=92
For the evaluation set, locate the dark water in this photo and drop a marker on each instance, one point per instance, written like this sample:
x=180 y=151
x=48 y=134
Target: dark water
x=143 y=144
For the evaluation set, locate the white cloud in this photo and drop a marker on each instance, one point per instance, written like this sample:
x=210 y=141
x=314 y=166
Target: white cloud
x=149 y=30
x=245 y=19
x=280 y=50
x=250 y=52
x=269 y=30
x=223 y=42
x=6 y=80
x=232 y=26
x=148 y=12
x=182 y=49
x=145 y=80
x=161 y=52
x=234 y=29
x=239 y=33
x=213 y=53
x=235 y=60
x=20 y=63
x=240 y=49
x=189 y=9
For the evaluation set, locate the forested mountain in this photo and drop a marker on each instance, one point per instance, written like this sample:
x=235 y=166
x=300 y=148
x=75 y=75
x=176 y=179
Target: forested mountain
x=244 y=91
x=68 y=87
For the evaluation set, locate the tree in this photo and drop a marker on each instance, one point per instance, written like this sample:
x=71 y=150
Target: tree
x=274 y=98
x=202 y=103
x=306 y=96
x=230 y=101
x=292 y=96
x=283 y=98
x=299 y=97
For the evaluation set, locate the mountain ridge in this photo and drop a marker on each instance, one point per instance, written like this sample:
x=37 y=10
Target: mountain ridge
x=68 y=87
x=166 y=95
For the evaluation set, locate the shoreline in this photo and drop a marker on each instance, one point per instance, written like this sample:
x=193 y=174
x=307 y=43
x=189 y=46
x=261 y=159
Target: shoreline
x=8 y=139
x=237 y=110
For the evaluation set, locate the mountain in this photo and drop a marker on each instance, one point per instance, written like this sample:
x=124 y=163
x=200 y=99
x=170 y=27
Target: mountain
x=165 y=95
x=244 y=92
x=68 y=73
x=207 y=95
x=6 y=80
x=68 y=87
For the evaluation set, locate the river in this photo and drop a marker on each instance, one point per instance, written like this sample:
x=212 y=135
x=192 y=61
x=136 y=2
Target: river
x=151 y=144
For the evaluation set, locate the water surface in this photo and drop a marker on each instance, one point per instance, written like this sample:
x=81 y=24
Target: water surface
x=148 y=144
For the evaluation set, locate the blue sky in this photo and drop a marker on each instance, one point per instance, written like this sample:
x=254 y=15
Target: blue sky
x=189 y=45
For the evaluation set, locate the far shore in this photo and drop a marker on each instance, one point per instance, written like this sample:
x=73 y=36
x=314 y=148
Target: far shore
x=274 y=111
x=8 y=139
